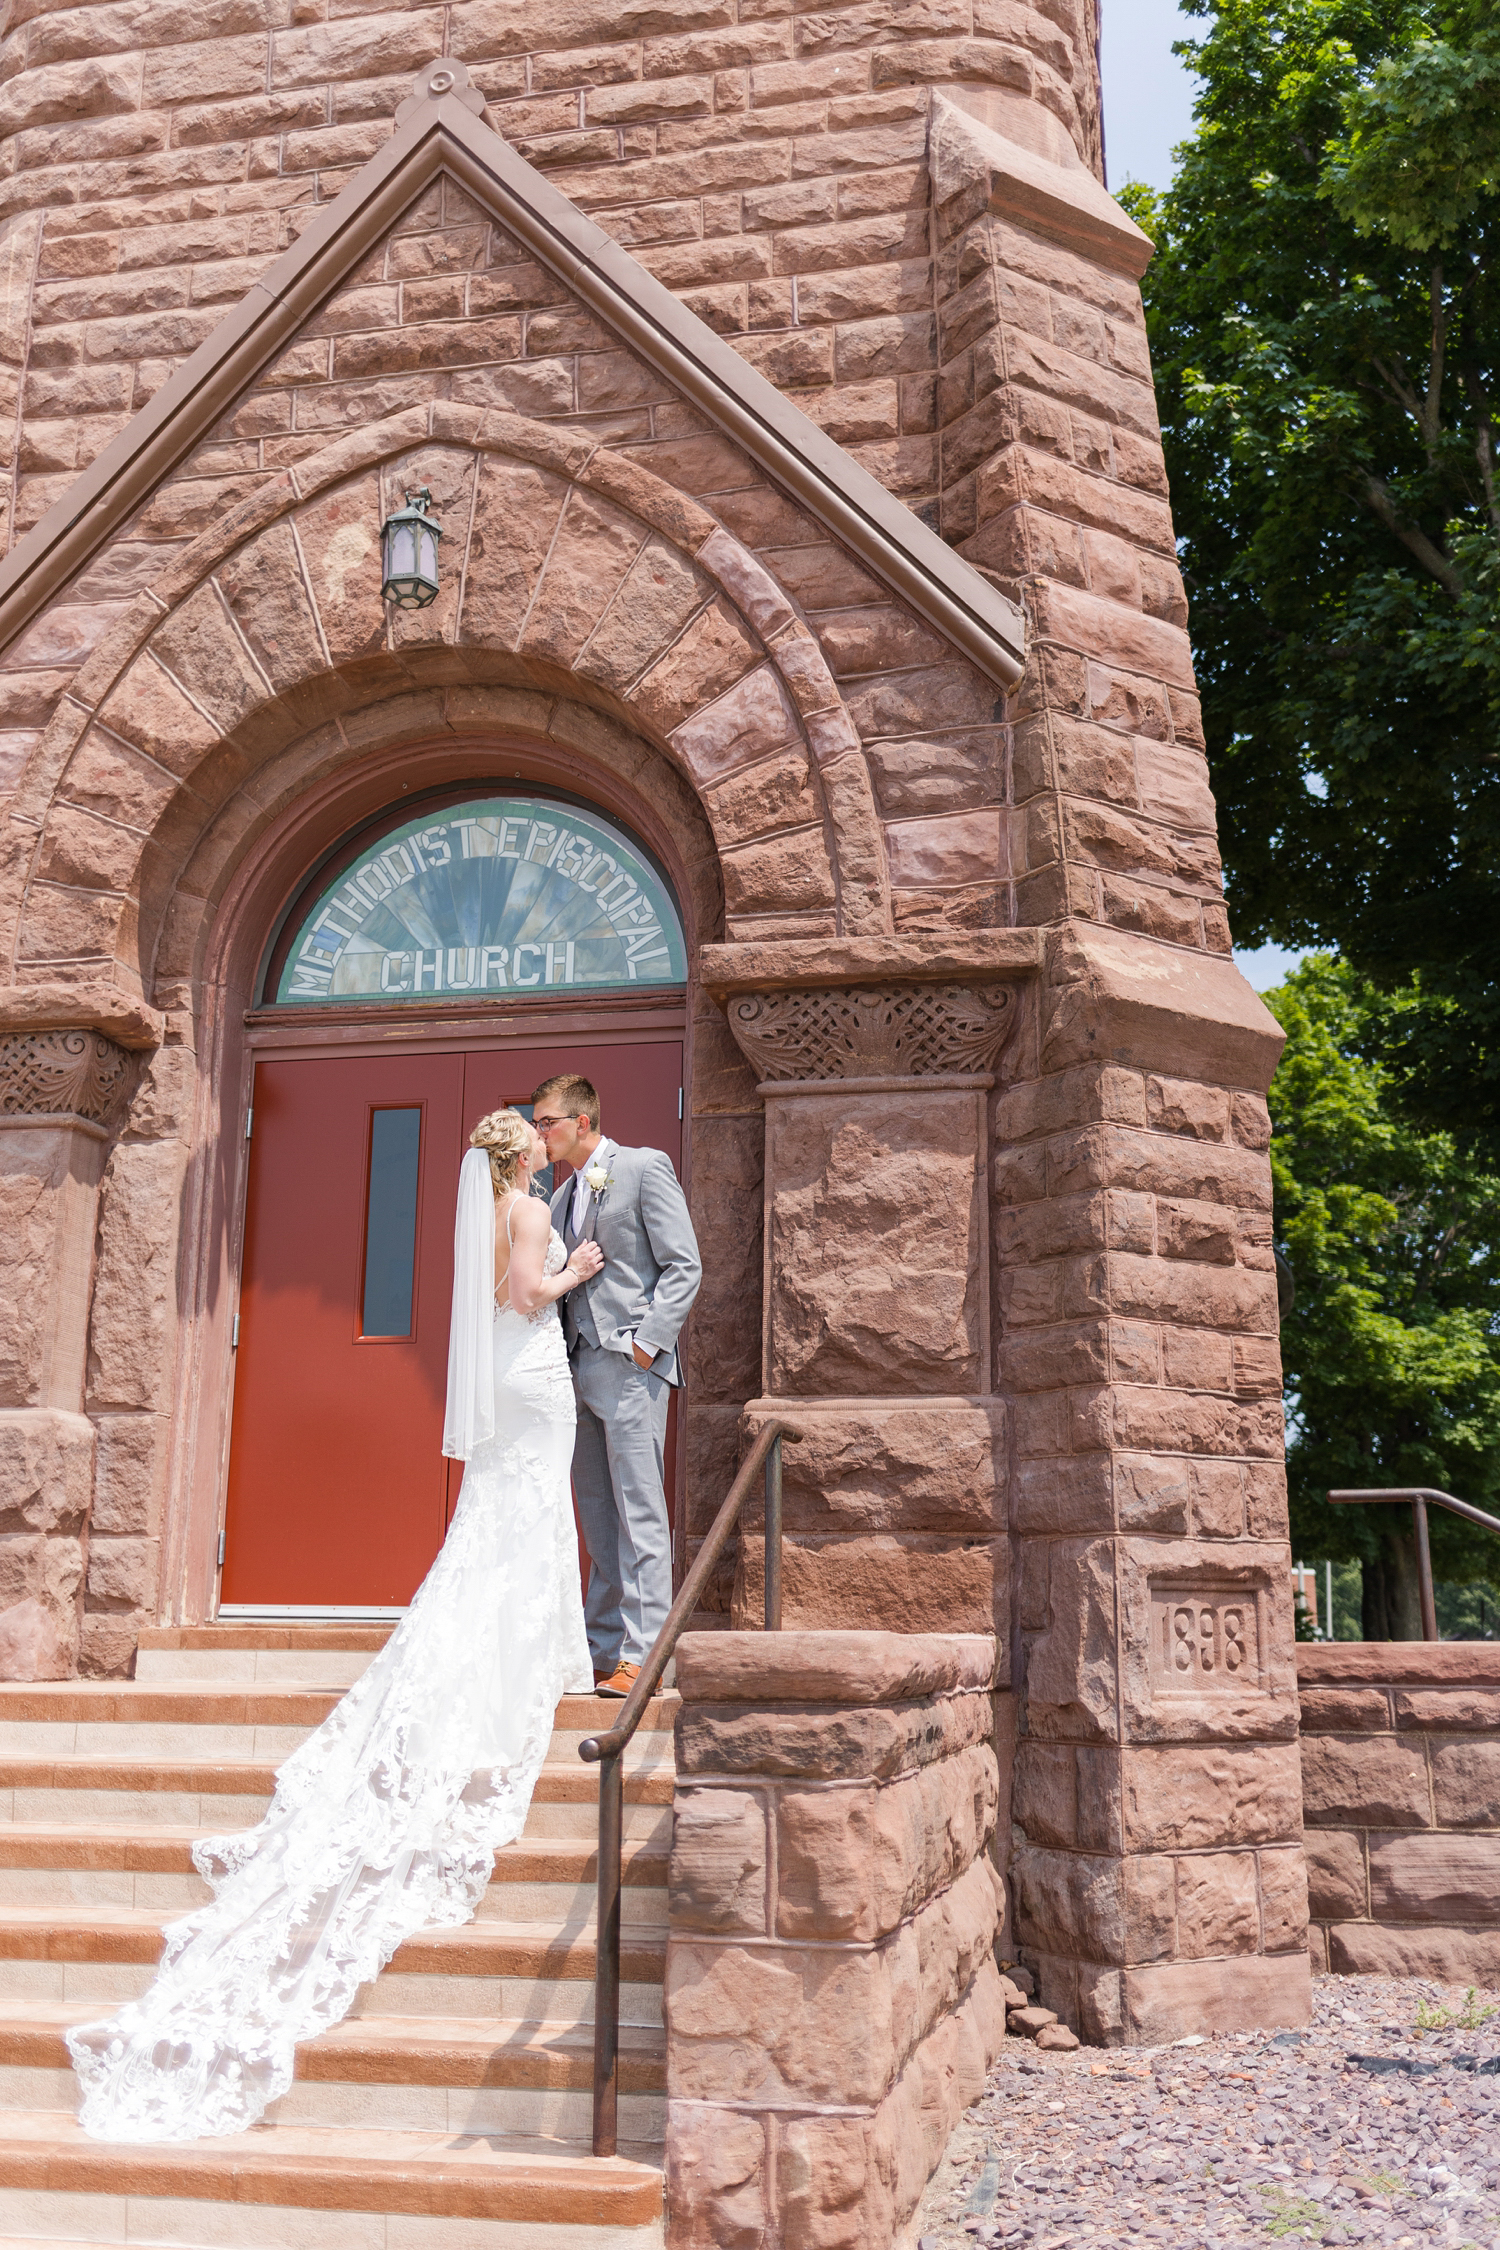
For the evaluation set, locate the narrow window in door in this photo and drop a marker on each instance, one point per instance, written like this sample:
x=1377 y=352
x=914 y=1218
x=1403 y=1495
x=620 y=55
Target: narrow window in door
x=391 y=1221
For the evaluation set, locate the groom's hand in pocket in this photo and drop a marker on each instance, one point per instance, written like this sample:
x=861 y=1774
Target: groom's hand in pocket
x=643 y=1359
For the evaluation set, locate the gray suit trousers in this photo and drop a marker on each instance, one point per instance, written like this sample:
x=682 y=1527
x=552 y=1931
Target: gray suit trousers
x=618 y=1457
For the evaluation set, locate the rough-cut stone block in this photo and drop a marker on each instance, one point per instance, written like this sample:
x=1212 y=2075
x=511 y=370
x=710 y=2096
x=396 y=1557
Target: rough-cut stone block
x=753 y=718
x=1422 y=1663
x=1336 y=1881
x=814 y=2026
x=1466 y=1784
x=128 y=1473
x=590 y=554
x=122 y=1574
x=1173 y=1999
x=516 y=511
x=1379 y=1782
x=891 y=1176
x=1217 y=1905
x=825 y=1865
x=39 y=1638
x=49 y=1182
x=1044 y=1802
x=264 y=588
x=338 y=535
x=814 y=1741
x=1435 y=1878
x=876 y=1467
x=933 y=1581
x=1453 y=1707
x=715 y=652
x=1283 y=1900
x=1345 y=1710
x=135 y=1291
x=716 y=2170
x=1074 y=1904
x=1450 y=1956
x=203 y=652
x=855 y=1669
x=46 y=1470
x=824 y=2182
x=719 y=1862
x=928 y=1829
x=1071 y=1664
x=1213 y=1793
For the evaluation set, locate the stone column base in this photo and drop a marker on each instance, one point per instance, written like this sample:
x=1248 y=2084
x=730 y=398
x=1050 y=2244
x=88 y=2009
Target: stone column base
x=46 y=1476
x=833 y=2002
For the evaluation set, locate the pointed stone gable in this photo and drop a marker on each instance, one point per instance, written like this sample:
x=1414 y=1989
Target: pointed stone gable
x=541 y=255
x=850 y=764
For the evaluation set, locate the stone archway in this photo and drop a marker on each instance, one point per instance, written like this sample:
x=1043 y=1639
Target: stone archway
x=588 y=608
x=571 y=567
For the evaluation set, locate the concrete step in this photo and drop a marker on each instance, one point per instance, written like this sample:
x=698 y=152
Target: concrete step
x=548 y=1880
x=526 y=1971
x=289 y=2187
x=299 y=1655
x=178 y=1720
x=214 y=1795
x=451 y=2109
x=398 y=2074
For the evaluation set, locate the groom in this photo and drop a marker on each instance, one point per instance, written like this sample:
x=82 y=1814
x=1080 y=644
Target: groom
x=621 y=1329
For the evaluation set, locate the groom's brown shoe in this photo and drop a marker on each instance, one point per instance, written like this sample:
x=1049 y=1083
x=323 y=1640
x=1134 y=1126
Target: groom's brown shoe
x=620 y=1682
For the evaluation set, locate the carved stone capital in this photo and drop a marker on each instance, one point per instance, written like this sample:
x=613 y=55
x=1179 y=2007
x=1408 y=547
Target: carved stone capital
x=61 y=1074
x=869 y=1031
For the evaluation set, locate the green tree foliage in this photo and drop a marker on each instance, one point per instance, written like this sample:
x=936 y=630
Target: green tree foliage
x=1392 y=1349
x=1324 y=309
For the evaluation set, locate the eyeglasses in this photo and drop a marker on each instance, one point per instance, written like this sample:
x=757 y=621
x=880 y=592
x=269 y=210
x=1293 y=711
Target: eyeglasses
x=541 y=1123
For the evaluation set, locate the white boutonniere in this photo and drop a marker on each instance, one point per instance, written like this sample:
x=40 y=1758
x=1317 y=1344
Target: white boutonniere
x=598 y=1179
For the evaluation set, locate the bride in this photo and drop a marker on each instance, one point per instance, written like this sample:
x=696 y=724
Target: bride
x=386 y=1821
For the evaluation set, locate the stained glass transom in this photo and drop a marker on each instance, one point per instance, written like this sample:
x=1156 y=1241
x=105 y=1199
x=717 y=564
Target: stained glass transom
x=507 y=894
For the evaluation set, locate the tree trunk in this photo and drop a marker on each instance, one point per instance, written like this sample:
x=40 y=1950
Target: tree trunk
x=1390 y=1596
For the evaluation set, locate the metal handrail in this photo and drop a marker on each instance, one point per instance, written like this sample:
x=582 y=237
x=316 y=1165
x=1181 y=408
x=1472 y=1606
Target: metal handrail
x=1419 y=1495
x=607 y=1752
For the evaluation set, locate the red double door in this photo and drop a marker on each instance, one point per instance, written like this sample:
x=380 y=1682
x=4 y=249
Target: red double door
x=339 y=1493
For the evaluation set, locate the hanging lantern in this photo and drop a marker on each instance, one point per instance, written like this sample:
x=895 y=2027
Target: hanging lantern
x=408 y=549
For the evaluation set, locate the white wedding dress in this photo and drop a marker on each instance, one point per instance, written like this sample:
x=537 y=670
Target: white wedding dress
x=387 y=1819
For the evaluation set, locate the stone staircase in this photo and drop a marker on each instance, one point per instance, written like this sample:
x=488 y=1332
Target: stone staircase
x=451 y=2110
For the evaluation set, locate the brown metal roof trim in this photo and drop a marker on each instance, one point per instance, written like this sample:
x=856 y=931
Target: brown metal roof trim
x=437 y=132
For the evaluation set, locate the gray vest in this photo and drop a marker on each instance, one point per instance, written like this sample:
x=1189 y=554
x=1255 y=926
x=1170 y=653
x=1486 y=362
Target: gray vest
x=577 y=1312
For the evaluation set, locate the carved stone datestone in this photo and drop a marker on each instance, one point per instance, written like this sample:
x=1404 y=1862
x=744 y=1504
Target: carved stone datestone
x=922 y=1031
x=60 y=1074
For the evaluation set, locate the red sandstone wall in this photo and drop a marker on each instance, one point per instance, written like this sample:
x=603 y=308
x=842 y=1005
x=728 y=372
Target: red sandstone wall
x=833 y=2002
x=1401 y=1786
x=767 y=164
x=1096 y=1421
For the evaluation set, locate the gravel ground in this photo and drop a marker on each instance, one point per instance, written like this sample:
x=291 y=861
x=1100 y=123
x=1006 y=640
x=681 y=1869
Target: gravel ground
x=1246 y=2137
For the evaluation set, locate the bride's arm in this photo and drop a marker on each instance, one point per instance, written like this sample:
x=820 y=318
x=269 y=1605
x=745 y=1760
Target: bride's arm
x=530 y=1233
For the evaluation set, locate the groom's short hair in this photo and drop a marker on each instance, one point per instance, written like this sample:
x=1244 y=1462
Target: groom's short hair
x=577 y=1096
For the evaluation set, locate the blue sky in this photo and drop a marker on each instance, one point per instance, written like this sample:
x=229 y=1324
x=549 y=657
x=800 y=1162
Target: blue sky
x=1148 y=108
x=1148 y=95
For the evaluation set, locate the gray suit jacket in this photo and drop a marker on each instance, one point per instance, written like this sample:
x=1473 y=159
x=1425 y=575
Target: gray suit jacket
x=651 y=1266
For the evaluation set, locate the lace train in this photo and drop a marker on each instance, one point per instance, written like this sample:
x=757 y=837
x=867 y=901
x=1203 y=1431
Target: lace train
x=387 y=1819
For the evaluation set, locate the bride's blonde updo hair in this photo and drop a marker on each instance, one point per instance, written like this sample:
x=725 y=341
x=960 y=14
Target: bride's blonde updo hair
x=505 y=1138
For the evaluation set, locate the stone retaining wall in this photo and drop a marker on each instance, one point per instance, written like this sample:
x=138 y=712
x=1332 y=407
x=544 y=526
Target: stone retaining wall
x=833 y=2002
x=1401 y=1794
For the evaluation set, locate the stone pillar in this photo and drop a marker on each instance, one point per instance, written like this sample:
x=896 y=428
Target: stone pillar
x=58 y=1089
x=1159 y=1881
x=833 y=2002
x=876 y=1324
